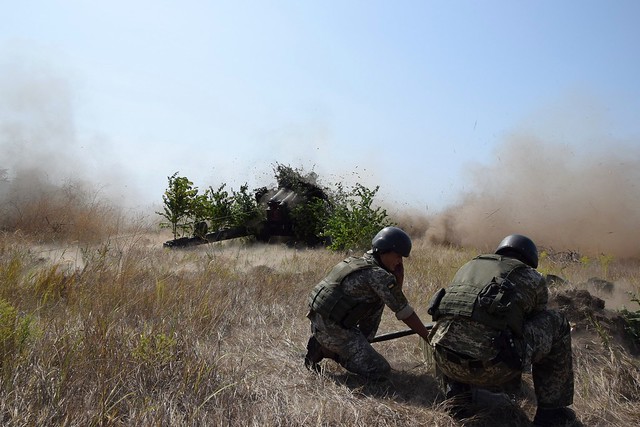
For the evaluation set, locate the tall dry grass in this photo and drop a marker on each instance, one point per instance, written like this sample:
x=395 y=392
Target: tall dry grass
x=71 y=212
x=128 y=333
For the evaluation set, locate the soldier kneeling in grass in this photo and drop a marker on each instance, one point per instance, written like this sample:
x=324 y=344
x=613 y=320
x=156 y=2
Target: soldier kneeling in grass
x=346 y=307
x=492 y=322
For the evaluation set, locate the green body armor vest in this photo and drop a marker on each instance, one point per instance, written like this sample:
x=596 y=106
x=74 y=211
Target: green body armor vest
x=329 y=300
x=481 y=291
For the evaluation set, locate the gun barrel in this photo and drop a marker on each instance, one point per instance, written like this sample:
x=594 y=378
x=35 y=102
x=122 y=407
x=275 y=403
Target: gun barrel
x=398 y=334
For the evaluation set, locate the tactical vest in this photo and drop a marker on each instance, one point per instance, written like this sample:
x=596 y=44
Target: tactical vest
x=481 y=290
x=329 y=300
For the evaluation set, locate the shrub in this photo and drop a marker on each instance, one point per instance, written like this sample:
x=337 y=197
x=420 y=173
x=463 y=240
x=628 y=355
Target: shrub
x=632 y=320
x=344 y=218
x=179 y=205
x=353 y=221
x=219 y=207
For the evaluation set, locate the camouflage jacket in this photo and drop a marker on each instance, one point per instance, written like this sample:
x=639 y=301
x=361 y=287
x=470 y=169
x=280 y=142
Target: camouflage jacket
x=376 y=285
x=372 y=287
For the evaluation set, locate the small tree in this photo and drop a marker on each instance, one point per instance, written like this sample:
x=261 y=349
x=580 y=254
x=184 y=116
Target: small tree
x=244 y=207
x=179 y=205
x=353 y=221
x=219 y=207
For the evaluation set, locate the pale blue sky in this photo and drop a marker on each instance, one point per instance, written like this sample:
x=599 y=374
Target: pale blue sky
x=402 y=94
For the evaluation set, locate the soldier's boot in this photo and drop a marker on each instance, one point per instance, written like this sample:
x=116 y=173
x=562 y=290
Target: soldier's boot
x=555 y=417
x=459 y=399
x=314 y=355
x=488 y=399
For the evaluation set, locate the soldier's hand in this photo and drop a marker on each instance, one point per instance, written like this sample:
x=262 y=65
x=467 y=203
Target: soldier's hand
x=399 y=274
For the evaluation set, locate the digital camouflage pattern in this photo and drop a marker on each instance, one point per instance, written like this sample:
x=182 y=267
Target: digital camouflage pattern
x=351 y=346
x=374 y=286
x=545 y=345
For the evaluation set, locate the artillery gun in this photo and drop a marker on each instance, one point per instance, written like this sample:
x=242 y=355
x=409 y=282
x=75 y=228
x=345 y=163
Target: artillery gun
x=277 y=224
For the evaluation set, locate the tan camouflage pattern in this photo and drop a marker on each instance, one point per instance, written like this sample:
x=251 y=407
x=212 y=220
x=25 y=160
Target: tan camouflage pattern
x=355 y=353
x=545 y=346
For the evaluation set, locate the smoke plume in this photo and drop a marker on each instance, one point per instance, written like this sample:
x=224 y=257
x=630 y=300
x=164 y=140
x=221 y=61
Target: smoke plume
x=563 y=197
x=40 y=143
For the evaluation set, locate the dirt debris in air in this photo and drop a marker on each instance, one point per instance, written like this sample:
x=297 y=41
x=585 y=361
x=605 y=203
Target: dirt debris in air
x=591 y=321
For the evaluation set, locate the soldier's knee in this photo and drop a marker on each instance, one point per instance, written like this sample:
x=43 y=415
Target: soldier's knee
x=372 y=368
x=563 y=329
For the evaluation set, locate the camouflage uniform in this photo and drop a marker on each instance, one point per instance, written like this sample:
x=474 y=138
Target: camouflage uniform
x=471 y=352
x=373 y=287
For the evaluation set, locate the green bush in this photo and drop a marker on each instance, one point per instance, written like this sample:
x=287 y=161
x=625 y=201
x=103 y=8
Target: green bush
x=353 y=221
x=244 y=208
x=345 y=218
x=219 y=207
x=180 y=203
x=310 y=220
x=632 y=320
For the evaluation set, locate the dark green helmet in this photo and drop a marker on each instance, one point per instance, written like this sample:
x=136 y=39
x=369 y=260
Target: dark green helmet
x=392 y=239
x=519 y=247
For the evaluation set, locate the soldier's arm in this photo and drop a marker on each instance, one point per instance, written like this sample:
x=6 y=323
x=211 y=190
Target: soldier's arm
x=532 y=289
x=392 y=295
x=542 y=293
x=414 y=322
x=386 y=287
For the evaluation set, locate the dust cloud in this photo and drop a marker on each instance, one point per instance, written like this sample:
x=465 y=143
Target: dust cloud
x=42 y=150
x=563 y=197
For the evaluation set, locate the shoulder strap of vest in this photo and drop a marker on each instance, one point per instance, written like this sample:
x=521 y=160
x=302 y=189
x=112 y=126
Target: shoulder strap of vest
x=328 y=299
x=346 y=267
x=469 y=285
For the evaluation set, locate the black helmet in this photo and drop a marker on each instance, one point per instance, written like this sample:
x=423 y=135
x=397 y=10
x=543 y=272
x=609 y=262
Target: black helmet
x=520 y=247
x=392 y=239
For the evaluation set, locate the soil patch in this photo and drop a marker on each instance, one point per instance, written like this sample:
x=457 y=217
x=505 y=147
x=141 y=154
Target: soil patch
x=590 y=320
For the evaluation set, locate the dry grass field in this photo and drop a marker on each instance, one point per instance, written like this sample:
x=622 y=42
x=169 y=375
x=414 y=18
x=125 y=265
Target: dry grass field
x=119 y=331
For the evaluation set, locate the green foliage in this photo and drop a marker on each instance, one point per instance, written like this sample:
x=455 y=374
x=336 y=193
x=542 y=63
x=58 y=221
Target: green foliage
x=219 y=207
x=310 y=219
x=180 y=204
x=354 y=221
x=244 y=208
x=346 y=217
x=155 y=348
x=632 y=320
x=15 y=332
x=296 y=180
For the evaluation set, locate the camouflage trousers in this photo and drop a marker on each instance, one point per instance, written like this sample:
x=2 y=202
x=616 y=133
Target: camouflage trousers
x=353 y=350
x=545 y=347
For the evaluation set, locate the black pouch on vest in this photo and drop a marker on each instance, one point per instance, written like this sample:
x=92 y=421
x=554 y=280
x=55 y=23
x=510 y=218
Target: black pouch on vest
x=434 y=303
x=508 y=352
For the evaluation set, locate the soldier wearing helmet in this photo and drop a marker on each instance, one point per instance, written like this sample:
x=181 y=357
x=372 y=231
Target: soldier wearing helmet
x=346 y=307
x=492 y=323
